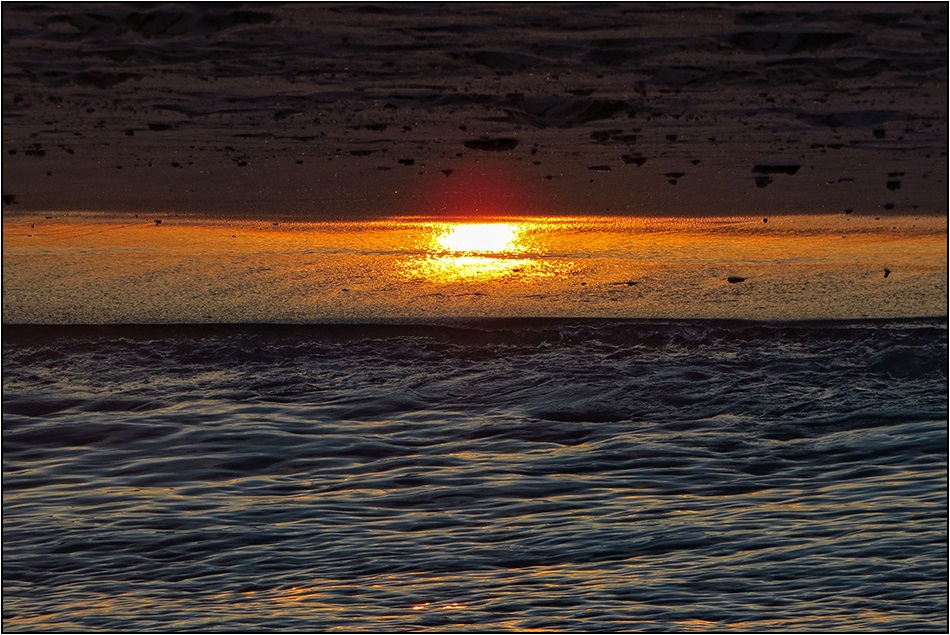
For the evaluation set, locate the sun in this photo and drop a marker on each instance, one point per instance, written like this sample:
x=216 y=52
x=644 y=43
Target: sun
x=480 y=238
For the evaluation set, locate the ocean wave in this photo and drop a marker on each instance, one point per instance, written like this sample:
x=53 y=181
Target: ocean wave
x=514 y=474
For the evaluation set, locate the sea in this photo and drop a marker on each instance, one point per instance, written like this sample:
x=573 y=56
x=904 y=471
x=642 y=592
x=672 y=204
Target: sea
x=484 y=475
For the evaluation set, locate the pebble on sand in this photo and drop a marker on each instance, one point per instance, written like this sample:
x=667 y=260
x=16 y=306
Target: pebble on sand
x=734 y=279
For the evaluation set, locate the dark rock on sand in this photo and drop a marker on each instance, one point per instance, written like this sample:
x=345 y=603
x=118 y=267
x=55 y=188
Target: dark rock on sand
x=734 y=279
x=492 y=145
x=637 y=161
x=893 y=185
x=887 y=272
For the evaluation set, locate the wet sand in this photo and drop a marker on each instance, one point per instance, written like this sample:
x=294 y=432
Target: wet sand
x=314 y=111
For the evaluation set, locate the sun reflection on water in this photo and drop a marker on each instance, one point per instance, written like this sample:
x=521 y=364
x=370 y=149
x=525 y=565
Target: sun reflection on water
x=481 y=238
x=455 y=252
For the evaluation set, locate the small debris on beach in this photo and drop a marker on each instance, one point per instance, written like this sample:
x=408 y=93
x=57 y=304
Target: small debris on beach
x=734 y=279
x=887 y=272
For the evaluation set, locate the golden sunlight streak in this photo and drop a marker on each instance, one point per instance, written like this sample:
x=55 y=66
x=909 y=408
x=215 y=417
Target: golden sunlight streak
x=454 y=268
x=480 y=238
x=457 y=252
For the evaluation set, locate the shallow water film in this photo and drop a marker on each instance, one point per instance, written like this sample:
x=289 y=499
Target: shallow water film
x=550 y=475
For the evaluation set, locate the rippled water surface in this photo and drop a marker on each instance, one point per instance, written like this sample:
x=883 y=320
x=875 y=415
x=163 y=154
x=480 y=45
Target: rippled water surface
x=596 y=475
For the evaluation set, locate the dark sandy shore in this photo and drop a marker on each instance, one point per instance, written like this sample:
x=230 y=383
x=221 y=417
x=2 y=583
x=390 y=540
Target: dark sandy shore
x=317 y=110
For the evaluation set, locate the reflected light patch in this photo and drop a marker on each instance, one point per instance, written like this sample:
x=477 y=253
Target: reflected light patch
x=478 y=252
x=447 y=606
x=480 y=238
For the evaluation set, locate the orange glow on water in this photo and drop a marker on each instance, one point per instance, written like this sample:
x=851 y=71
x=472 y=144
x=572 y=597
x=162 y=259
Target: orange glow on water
x=87 y=269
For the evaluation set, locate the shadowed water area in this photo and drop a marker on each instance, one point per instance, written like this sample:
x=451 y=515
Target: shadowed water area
x=498 y=475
